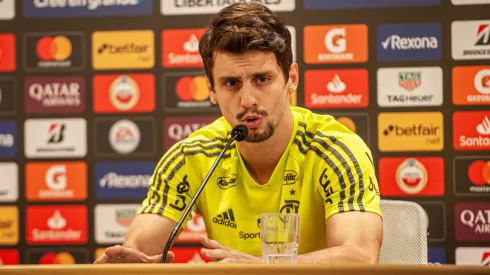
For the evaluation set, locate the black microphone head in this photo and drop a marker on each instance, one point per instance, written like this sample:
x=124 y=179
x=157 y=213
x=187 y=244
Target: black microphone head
x=241 y=131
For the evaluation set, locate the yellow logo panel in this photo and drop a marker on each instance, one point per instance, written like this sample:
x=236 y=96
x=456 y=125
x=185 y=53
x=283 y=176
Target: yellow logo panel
x=9 y=225
x=123 y=50
x=417 y=131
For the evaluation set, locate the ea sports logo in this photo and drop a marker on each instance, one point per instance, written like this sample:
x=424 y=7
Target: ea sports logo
x=56 y=48
x=124 y=93
x=190 y=88
x=124 y=136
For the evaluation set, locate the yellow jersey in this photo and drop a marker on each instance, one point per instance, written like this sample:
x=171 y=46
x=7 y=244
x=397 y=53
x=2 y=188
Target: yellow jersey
x=325 y=169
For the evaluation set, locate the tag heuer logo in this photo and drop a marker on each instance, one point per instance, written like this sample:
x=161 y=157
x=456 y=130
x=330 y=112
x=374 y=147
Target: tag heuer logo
x=409 y=81
x=125 y=216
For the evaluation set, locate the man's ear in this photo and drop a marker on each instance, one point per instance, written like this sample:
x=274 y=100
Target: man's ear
x=293 y=78
x=212 y=94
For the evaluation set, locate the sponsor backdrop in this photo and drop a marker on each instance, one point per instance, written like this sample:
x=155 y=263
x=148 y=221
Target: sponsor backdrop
x=92 y=93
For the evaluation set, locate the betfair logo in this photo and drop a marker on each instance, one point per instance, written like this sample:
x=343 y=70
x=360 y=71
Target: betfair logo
x=421 y=131
x=226 y=218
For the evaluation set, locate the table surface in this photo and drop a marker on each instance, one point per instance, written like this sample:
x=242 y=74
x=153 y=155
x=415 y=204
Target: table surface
x=239 y=269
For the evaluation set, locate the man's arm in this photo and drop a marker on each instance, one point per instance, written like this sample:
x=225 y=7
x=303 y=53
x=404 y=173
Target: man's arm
x=352 y=237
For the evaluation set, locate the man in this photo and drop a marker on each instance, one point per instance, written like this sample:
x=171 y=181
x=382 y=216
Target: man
x=291 y=161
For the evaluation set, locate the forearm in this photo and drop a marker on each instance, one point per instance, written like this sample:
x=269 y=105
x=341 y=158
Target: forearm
x=338 y=254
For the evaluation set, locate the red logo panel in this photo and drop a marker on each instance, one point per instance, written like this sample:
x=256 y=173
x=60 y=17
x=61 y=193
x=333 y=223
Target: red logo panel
x=63 y=224
x=471 y=130
x=421 y=176
x=188 y=255
x=339 y=88
x=9 y=257
x=181 y=48
x=7 y=53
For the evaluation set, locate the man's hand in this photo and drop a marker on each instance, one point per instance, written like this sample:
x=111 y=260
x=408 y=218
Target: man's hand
x=222 y=254
x=121 y=254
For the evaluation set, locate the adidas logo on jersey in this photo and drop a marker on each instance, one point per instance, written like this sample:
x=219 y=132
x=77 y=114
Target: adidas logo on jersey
x=226 y=218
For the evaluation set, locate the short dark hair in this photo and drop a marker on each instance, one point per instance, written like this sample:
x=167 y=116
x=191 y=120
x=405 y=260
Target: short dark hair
x=239 y=28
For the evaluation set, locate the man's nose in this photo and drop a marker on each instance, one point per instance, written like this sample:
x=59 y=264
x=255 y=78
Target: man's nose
x=248 y=96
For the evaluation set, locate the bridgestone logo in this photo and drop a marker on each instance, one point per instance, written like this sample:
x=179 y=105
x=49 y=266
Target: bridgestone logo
x=395 y=42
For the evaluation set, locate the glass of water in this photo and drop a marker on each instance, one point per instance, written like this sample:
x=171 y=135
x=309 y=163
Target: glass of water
x=279 y=233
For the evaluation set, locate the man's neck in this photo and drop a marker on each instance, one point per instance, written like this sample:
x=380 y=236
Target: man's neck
x=261 y=158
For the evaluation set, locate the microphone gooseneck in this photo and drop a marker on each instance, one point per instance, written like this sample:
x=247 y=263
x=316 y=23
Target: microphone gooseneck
x=239 y=133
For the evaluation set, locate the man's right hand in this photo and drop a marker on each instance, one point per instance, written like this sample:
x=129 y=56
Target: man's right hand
x=121 y=254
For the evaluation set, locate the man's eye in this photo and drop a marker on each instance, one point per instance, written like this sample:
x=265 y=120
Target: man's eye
x=263 y=79
x=231 y=83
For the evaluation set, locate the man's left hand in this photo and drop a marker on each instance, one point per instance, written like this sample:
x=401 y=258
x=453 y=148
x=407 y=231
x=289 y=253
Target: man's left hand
x=222 y=254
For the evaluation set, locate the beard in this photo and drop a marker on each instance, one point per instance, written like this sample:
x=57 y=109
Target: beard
x=260 y=137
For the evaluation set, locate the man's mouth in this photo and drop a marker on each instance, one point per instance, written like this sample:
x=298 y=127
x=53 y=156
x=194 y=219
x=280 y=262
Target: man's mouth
x=252 y=121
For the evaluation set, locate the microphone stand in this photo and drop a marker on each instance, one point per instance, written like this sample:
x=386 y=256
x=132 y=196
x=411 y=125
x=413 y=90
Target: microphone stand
x=239 y=133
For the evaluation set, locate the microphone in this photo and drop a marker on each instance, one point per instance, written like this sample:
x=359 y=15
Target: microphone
x=239 y=133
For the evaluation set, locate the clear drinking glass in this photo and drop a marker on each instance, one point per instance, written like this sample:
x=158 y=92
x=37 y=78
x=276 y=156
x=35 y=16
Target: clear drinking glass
x=279 y=233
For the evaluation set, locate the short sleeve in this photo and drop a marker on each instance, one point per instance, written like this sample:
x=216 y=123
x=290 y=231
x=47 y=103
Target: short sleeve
x=169 y=192
x=346 y=177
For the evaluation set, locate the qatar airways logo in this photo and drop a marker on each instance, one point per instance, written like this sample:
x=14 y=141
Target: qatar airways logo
x=472 y=221
x=180 y=128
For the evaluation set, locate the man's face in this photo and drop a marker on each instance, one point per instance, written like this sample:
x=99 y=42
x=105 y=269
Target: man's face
x=250 y=89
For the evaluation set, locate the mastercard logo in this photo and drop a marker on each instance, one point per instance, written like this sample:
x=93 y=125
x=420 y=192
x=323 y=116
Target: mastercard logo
x=190 y=88
x=347 y=122
x=57 y=258
x=57 y=48
x=479 y=172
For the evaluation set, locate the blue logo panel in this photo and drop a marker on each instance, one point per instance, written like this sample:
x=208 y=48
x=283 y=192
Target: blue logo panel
x=123 y=180
x=360 y=4
x=8 y=139
x=409 y=42
x=52 y=9
x=437 y=255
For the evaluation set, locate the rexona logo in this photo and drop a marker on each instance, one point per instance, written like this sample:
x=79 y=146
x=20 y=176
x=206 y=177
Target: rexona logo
x=123 y=49
x=410 y=87
x=190 y=92
x=8 y=139
x=227 y=218
x=135 y=136
x=473 y=256
x=84 y=8
x=176 y=129
x=410 y=176
x=472 y=176
x=54 y=181
x=471 y=130
x=338 y=88
x=472 y=221
x=181 y=48
x=123 y=180
x=54 y=94
x=360 y=4
x=9 y=189
x=410 y=131
x=214 y=6
x=8 y=55
x=131 y=93
x=60 y=51
x=471 y=85
x=62 y=224
x=112 y=222
x=54 y=138
x=411 y=41
x=470 y=40
x=336 y=44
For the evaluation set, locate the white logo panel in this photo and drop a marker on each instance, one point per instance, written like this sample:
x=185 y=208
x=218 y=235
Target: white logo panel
x=292 y=30
x=479 y=256
x=470 y=2
x=112 y=222
x=178 y=7
x=470 y=40
x=54 y=138
x=9 y=178
x=409 y=86
x=7 y=9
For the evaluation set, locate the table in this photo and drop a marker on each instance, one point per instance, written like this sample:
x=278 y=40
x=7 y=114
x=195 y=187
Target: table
x=239 y=269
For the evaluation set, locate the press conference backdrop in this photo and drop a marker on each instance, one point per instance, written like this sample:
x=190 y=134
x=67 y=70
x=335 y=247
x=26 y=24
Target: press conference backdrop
x=94 y=91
